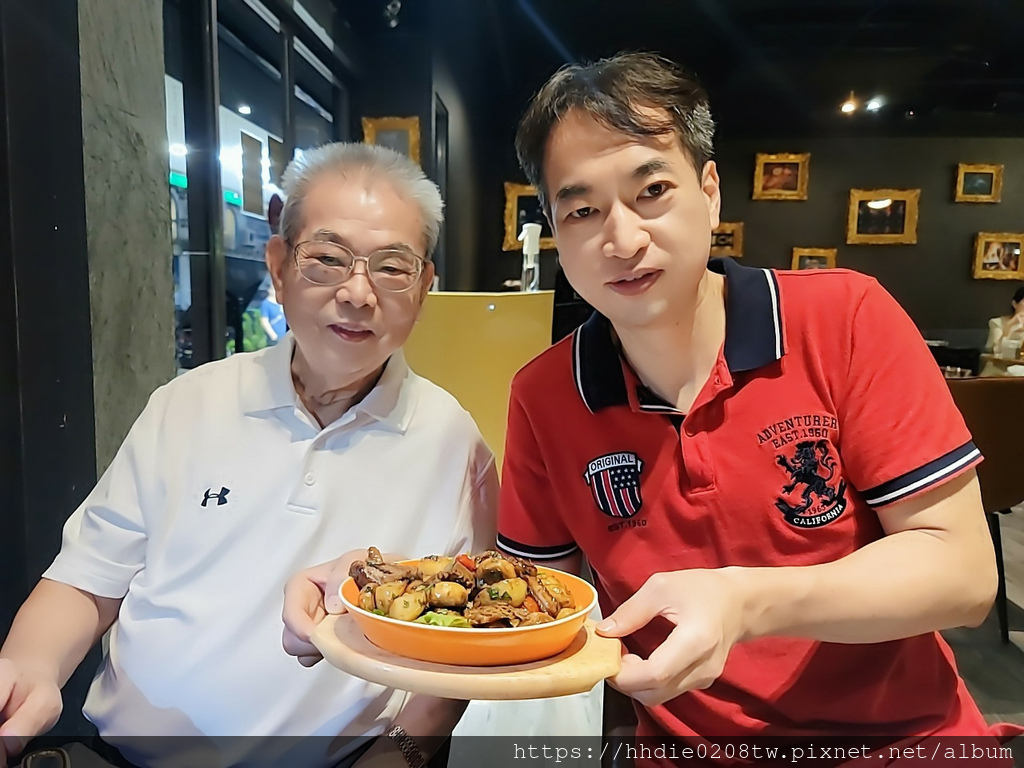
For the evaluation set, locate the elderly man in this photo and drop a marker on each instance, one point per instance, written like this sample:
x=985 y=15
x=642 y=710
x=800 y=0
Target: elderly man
x=244 y=471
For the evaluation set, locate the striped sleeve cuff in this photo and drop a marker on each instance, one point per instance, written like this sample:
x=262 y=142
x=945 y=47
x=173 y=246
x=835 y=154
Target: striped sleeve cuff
x=932 y=473
x=505 y=544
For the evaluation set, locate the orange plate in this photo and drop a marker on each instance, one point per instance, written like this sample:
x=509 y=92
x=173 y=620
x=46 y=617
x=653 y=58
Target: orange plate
x=474 y=647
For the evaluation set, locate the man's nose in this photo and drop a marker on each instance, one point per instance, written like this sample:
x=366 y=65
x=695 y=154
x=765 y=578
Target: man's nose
x=357 y=290
x=624 y=233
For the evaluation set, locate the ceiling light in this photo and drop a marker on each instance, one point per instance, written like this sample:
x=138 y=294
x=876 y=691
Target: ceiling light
x=879 y=204
x=848 y=106
x=391 y=11
x=178 y=150
x=874 y=105
x=245 y=109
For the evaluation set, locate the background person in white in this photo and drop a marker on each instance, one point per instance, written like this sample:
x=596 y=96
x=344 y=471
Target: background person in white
x=244 y=471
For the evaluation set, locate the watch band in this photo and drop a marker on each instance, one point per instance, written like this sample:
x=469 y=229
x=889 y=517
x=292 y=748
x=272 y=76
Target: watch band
x=407 y=747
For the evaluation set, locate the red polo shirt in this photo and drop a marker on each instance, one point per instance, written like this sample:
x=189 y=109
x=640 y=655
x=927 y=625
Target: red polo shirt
x=824 y=405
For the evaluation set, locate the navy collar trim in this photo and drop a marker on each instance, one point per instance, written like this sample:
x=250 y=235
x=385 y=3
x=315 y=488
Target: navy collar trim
x=753 y=338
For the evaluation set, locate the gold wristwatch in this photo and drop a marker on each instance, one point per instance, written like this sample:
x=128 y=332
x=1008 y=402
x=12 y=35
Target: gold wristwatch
x=407 y=747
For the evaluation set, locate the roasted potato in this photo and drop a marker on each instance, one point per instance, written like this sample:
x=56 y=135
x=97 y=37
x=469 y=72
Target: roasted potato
x=447 y=594
x=409 y=606
x=366 y=598
x=431 y=566
x=385 y=594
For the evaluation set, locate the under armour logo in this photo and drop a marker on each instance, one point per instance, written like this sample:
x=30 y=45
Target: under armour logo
x=222 y=497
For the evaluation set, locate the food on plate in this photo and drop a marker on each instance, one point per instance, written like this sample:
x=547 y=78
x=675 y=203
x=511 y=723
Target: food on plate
x=489 y=590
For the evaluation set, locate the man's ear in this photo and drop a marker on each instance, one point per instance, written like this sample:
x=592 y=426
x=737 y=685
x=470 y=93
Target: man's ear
x=709 y=184
x=278 y=258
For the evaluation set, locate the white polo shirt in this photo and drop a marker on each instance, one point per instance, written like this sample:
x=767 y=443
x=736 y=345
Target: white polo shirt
x=223 y=489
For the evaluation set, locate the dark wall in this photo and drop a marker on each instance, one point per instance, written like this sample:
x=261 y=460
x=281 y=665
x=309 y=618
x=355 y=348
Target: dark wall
x=460 y=81
x=932 y=280
x=47 y=432
x=439 y=50
x=476 y=66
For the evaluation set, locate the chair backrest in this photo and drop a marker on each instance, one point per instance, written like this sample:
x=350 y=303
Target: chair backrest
x=993 y=408
x=472 y=344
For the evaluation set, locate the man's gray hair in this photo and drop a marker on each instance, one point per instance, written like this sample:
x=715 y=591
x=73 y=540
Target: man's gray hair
x=402 y=173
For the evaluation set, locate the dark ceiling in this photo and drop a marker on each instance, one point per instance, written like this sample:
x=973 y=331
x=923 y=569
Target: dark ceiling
x=775 y=65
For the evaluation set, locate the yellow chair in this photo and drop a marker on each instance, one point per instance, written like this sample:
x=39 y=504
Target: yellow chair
x=472 y=344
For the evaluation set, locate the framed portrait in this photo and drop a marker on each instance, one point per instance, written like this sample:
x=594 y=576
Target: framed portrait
x=997 y=256
x=882 y=216
x=727 y=240
x=781 y=177
x=813 y=258
x=522 y=206
x=401 y=134
x=979 y=183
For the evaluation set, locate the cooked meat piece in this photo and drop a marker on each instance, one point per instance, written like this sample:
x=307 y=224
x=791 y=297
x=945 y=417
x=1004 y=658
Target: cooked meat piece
x=544 y=598
x=488 y=614
x=536 y=618
x=557 y=590
x=374 y=557
x=494 y=569
x=458 y=573
x=523 y=568
x=365 y=573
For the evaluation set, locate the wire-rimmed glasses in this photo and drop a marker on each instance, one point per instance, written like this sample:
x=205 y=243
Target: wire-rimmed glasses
x=322 y=262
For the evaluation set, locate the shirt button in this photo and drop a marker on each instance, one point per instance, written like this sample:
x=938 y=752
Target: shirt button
x=309 y=479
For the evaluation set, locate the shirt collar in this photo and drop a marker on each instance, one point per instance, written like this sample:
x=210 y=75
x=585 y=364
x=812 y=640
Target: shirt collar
x=390 y=402
x=753 y=337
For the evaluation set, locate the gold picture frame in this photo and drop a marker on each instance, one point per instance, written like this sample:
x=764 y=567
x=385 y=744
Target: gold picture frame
x=882 y=216
x=981 y=183
x=522 y=205
x=781 y=176
x=813 y=258
x=401 y=134
x=997 y=256
x=727 y=239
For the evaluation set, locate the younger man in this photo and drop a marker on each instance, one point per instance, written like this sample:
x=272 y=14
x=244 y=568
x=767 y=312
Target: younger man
x=764 y=470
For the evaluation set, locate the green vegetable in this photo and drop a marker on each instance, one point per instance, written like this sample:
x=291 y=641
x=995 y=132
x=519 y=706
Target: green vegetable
x=442 y=620
x=379 y=612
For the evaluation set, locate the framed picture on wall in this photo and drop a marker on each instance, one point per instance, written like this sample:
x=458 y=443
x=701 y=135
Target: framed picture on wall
x=522 y=206
x=882 y=217
x=781 y=177
x=997 y=256
x=979 y=183
x=813 y=258
x=727 y=240
x=401 y=134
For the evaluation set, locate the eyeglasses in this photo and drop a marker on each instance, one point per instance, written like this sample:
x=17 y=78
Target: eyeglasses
x=326 y=263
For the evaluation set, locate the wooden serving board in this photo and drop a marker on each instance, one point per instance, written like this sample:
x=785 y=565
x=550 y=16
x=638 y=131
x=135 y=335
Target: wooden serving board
x=589 y=660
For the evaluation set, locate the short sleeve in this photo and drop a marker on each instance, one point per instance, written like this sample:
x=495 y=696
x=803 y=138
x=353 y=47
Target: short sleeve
x=900 y=430
x=475 y=530
x=529 y=524
x=104 y=541
x=995 y=333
